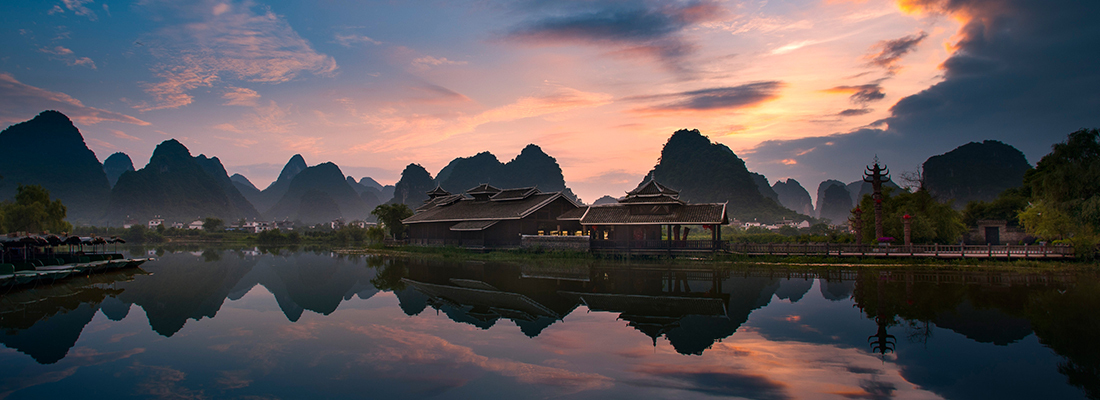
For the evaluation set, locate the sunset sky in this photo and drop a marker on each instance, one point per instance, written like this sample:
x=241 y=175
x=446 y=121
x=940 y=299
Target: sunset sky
x=806 y=89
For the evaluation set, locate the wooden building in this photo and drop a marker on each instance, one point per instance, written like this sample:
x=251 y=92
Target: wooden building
x=485 y=216
x=651 y=216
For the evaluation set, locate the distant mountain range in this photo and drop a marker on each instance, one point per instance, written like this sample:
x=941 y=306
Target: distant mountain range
x=319 y=194
x=50 y=151
x=532 y=167
x=177 y=187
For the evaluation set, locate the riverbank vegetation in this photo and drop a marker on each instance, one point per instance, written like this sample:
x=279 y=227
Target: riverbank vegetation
x=140 y=234
x=720 y=260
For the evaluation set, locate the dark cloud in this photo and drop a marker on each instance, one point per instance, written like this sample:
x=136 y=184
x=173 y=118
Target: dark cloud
x=861 y=94
x=852 y=112
x=715 y=382
x=862 y=370
x=1023 y=73
x=628 y=28
x=887 y=53
x=872 y=390
x=733 y=97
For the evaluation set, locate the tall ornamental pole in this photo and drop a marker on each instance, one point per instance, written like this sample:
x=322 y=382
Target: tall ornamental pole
x=875 y=175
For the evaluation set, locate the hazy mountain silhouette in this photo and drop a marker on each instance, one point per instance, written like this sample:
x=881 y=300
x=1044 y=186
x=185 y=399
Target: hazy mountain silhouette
x=706 y=172
x=49 y=151
x=275 y=192
x=177 y=187
x=370 y=199
x=466 y=172
x=834 y=202
x=370 y=182
x=859 y=188
x=383 y=193
x=821 y=194
x=793 y=196
x=356 y=186
x=323 y=183
x=247 y=189
x=974 y=172
x=214 y=168
x=532 y=167
x=761 y=182
x=413 y=187
x=115 y=165
x=605 y=200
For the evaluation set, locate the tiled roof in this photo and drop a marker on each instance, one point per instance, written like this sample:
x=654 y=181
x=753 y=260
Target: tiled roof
x=653 y=188
x=688 y=214
x=573 y=215
x=440 y=201
x=438 y=191
x=651 y=199
x=467 y=209
x=483 y=188
x=473 y=225
x=514 y=194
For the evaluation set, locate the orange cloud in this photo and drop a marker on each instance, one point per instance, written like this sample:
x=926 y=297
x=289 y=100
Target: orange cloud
x=417 y=130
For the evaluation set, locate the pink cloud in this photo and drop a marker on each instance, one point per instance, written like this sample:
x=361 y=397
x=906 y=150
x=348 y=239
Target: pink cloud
x=241 y=97
x=234 y=44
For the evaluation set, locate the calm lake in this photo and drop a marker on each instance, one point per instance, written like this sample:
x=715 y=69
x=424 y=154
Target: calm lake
x=246 y=324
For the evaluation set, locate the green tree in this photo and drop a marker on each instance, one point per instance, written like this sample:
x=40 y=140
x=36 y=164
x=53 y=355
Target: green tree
x=1046 y=221
x=1006 y=206
x=1068 y=179
x=211 y=224
x=376 y=234
x=932 y=221
x=33 y=211
x=390 y=215
x=787 y=230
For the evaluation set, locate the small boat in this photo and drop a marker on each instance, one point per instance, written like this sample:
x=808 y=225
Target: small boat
x=35 y=259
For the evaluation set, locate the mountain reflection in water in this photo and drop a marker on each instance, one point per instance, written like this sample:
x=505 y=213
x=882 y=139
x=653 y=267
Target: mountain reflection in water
x=746 y=332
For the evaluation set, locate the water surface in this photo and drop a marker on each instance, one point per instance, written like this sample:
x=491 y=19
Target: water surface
x=249 y=324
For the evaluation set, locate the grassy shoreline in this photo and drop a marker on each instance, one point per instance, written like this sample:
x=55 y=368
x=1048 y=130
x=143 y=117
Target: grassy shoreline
x=730 y=260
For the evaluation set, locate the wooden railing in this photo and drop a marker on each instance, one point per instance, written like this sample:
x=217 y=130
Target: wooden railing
x=916 y=250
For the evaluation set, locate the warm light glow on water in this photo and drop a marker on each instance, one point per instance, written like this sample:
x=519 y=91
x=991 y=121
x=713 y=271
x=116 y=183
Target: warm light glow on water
x=231 y=324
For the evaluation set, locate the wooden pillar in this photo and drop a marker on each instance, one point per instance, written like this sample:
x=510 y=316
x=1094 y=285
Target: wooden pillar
x=718 y=229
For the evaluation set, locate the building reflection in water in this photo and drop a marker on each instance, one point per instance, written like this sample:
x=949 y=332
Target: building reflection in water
x=692 y=308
